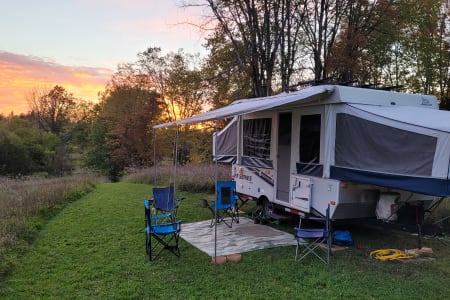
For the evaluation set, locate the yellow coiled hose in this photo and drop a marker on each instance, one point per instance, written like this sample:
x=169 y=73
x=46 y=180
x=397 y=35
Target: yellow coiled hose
x=389 y=254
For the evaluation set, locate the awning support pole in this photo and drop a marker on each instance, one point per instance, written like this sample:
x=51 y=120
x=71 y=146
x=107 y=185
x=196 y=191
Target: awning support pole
x=154 y=158
x=216 y=176
x=175 y=159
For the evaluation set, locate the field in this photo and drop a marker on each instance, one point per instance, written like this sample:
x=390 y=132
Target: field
x=94 y=248
x=26 y=204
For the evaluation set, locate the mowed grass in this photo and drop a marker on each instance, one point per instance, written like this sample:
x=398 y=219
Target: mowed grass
x=94 y=249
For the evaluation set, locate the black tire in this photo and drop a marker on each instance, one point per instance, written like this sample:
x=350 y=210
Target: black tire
x=266 y=209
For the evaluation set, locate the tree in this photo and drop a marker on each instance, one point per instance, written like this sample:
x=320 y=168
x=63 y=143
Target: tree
x=156 y=88
x=263 y=33
x=81 y=120
x=23 y=148
x=321 y=24
x=444 y=55
x=421 y=44
x=364 y=42
x=180 y=85
x=175 y=78
x=51 y=109
x=225 y=82
x=121 y=135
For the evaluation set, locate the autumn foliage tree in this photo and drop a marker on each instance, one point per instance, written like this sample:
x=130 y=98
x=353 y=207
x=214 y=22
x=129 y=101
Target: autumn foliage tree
x=176 y=77
x=51 y=109
x=156 y=88
x=121 y=136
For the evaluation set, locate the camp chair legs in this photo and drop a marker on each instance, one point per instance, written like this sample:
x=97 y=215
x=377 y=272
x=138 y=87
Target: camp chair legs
x=220 y=216
x=155 y=244
x=315 y=241
x=153 y=253
x=311 y=241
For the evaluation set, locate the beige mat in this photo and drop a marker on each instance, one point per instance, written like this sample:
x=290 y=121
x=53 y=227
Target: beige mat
x=242 y=237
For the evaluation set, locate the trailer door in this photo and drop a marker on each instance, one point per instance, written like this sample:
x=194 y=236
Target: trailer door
x=284 y=156
x=308 y=162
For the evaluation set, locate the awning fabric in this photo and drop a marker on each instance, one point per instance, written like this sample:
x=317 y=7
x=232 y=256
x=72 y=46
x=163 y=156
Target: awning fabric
x=246 y=106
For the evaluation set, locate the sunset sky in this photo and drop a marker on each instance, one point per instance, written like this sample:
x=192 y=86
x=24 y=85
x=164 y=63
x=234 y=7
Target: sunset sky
x=79 y=43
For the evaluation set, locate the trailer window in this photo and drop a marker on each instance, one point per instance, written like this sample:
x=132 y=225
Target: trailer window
x=256 y=137
x=310 y=138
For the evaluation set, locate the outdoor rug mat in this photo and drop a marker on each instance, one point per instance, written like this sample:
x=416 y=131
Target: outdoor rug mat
x=244 y=236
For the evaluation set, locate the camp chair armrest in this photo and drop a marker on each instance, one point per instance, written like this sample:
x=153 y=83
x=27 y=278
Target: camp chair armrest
x=166 y=228
x=309 y=229
x=159 y=217
x=146 y=204
x=177 y=222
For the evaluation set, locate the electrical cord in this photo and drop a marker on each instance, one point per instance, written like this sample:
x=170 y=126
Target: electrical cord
x=389 y=254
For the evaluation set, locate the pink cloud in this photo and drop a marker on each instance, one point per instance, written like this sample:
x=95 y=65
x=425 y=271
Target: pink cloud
x=20 y=74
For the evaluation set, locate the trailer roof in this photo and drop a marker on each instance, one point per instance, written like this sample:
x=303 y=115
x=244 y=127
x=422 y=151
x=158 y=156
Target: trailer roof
x=427 y=118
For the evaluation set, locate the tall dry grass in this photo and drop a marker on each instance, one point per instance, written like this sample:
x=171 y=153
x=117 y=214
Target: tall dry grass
x=192 y=178
x=26 y=203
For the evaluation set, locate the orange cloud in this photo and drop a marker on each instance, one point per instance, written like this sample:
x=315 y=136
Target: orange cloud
x=20 y=74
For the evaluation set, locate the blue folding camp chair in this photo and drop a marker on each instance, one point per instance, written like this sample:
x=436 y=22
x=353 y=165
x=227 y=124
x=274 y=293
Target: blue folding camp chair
x=162 y=228
x=315 y=241
x=225 y=204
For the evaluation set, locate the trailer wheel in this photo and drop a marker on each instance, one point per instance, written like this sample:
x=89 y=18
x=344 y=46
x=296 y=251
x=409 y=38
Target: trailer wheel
x=266 y=209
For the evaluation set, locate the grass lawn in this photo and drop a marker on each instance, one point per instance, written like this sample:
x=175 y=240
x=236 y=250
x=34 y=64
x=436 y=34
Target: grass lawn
x=95 y=249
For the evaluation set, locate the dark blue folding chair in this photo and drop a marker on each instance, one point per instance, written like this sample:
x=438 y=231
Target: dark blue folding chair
x=225 y=204
x=162 y=228
x=315 y=241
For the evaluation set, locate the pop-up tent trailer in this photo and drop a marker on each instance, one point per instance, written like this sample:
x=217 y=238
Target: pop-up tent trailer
x=334 y=145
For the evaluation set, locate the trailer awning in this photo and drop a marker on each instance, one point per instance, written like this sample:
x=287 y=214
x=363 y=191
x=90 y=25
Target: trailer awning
x=251 y=105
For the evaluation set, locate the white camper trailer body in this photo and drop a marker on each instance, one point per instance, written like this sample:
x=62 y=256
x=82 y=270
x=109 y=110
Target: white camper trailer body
x=274 y=179
x=295 y=193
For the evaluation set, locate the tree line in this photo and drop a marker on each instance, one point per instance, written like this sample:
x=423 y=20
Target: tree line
x=372 y=43
x=46 y=139
x=61 y=133
x=255 y=48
